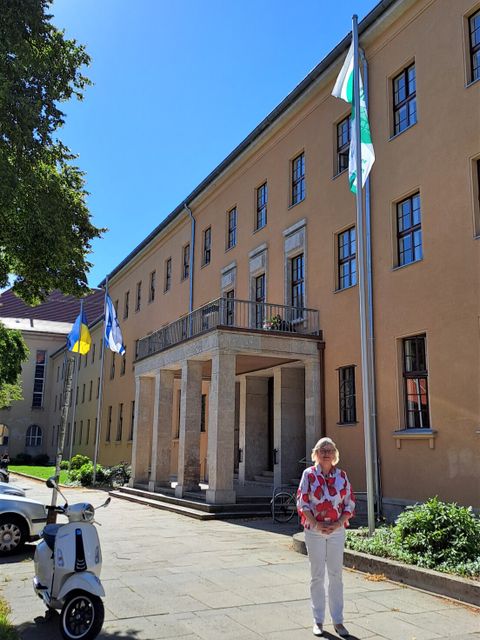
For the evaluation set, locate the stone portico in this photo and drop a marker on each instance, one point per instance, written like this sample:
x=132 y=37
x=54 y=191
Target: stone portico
x=264 y=410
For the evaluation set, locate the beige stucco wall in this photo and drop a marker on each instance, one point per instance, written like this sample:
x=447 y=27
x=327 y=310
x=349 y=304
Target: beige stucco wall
x=438 y=296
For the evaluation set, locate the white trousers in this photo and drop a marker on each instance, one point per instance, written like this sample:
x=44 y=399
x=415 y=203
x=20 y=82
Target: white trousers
x=326 y=551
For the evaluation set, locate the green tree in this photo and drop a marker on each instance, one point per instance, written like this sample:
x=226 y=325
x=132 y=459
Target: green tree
x=45 y=226
x=13 y=351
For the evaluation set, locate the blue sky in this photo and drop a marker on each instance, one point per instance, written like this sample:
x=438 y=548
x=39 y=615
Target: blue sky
x=177 y=85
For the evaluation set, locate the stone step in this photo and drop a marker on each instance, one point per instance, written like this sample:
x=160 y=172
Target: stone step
x=226 y=512
x=263 y=479
x=244 y=507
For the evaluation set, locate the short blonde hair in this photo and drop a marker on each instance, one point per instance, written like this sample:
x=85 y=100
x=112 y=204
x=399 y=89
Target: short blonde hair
x=321 y=443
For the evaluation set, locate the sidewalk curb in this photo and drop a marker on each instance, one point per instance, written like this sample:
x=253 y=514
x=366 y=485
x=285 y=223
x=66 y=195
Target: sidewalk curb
x=455 y=587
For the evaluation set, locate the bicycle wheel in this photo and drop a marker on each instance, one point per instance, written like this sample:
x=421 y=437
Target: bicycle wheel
x=284 y=507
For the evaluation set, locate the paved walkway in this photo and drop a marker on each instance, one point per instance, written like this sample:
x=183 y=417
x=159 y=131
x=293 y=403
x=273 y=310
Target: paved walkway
x=170 y=577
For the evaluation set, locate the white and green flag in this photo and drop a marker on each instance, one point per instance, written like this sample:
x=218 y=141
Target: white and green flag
x=344 y=89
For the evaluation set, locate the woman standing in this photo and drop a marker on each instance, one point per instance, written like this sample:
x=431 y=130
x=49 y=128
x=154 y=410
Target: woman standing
x=326 y=503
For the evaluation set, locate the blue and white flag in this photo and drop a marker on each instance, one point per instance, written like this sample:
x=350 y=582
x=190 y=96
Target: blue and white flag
x=113 y=334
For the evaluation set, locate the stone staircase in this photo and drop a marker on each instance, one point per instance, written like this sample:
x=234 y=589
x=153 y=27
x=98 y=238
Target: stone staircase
x=193 y=504
x=266 y=478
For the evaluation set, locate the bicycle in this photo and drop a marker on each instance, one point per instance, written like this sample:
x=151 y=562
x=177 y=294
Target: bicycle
x=283 y=504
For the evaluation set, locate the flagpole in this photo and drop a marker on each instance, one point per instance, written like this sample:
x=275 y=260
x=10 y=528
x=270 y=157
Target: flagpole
x=371 y=331
x=75 y=386
x=100 y=391
x=362 y=288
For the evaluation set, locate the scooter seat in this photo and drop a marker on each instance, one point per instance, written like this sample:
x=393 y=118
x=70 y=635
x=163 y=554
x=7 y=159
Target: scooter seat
x=49 y=534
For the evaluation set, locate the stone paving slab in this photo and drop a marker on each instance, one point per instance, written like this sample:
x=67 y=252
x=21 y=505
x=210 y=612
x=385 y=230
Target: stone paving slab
x=168 y=577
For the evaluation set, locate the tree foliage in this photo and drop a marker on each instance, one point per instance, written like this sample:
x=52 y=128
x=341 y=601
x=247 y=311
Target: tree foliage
x=13 y=352
x=45 y=226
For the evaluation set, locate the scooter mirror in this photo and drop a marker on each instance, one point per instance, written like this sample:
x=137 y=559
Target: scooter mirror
x=51 y=484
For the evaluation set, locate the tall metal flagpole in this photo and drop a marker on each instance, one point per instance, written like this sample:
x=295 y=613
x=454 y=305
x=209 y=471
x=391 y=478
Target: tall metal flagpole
x=77 y=361
x=362 y=288
x=371 y=328
x=100 y=391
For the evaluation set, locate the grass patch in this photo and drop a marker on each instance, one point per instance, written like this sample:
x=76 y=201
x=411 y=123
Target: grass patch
x=38 y=472
x=7 y=631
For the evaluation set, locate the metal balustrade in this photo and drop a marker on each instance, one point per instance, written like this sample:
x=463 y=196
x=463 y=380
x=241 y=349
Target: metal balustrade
x=235 y=314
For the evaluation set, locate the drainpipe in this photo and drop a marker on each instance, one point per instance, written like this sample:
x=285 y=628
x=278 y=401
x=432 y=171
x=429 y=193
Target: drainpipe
x=371 y=335
x=192 y=254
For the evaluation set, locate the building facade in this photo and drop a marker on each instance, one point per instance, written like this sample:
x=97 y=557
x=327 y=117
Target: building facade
x=240 y=311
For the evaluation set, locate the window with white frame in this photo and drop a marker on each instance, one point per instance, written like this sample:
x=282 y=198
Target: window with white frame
x=33 y=436
x=39 y=378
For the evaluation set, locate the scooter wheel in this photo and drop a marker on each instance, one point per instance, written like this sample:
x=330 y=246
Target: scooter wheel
x=82 y=616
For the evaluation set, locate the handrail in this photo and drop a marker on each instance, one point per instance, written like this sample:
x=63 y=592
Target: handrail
x=231 y=313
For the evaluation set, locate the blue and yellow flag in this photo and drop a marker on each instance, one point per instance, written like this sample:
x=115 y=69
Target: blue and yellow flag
x=79 y=338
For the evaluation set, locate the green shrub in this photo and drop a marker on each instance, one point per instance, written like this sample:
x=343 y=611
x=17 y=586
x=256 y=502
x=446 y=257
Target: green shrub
x=435 y=535
x=439 y=534
x=21 y=459
x=64 y=465
x=42 y=460
x=78 y=461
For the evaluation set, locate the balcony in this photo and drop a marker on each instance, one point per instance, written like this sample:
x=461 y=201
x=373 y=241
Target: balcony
x=230 y=313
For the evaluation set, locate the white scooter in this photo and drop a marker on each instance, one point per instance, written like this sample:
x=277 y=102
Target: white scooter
x=68 y=562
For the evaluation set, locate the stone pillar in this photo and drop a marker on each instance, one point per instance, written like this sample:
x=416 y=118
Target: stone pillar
x=289 y=424
x=253 y=427
x=221 y=428
x=190 y=418
x=142 y=429
x=162 y=429
x=312 y=405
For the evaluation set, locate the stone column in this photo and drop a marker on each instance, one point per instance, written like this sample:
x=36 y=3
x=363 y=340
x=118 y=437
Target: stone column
x=221 y=428
x=253 y=427
x=190 y=418
x=142 y=429
x=289 y=423
x=162 y=429
x=312 y=405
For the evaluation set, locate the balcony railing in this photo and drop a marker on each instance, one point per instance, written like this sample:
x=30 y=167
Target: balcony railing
x=230 y=312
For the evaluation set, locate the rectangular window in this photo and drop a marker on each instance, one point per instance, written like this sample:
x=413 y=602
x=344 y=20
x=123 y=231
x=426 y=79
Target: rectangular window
x=260 y=300
x=109 y=424
x=93 y=352
x=409 y=230
x=123 y=364
x=476 y=190
x=83 y=393
x=297 y=294
x=232 y=228
x=474 y=34
x=126 y=302
x=168 y=275
x=58 y=373
x=185 y=262
x=55 y=403
x=76 y=396
x=39 y=378
x=112 y=367
x=230 y=308
x=347 y=258
x=88 y=431
x=203 y=413
x=346 y=393
x=261 y=214
x=404 y=100
x=80 y=433
x=151 y=290
x=98 y=387
x=415 y=375
x=343 y=144
x=298 y=179
x=119 y=423
x=207 y=245
x=132 y=419
x=90 y=391
x=138 y=299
